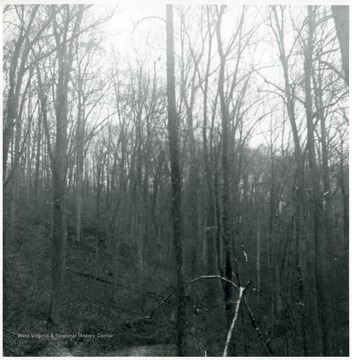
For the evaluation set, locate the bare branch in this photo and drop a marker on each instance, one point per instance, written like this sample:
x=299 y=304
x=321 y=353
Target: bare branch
x=146 y=18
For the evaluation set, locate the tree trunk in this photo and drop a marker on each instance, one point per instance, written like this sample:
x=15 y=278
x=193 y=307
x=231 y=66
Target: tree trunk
x=341 y=15
x=173 y=128
x=79 y=157
x=298 y=193
x=321 y=242
x=225 y=119
x=65 y=56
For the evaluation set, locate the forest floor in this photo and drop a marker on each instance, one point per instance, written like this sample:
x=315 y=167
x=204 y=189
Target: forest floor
x=92 y=324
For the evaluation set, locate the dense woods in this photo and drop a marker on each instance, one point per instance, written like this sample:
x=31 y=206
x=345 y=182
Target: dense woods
x=175 y=180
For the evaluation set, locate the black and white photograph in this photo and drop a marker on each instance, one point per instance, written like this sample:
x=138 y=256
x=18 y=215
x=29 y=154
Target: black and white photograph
x=175 y=179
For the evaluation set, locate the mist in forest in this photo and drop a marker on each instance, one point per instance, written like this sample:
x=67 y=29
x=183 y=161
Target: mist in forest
x=175 y=180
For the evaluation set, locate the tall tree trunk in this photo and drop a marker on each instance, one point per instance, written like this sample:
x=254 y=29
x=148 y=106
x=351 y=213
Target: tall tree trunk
x=59 y=182
x=187 y=95
x=65 y=56
x=343 y=182
x=141 y=220
x=80 y=133
x=210 y=225
x=321 y=241
x=37 y=164
x=258 y=254
x=173 y=128
x=225 y=119
x=299 y=196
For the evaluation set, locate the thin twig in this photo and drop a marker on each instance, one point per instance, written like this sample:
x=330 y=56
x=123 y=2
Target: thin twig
x=215 y=277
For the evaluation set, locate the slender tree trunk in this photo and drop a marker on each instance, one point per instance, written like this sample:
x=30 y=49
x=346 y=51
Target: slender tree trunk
x=321 y=242
x=227 y=236
x=258 y=255
x=37 y=164
x=79 y=158
x=343 y=182
x=141 y=223
x=219 y=248
x=300 y=202
x=15 y=179
x=209 y=174
x=173 y=128
x=100 y=163
x=59 y=182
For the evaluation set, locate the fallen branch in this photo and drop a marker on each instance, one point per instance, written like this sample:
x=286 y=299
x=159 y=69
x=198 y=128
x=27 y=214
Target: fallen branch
x=257 y=329
x=241 y=296
x=161 y=303
x=148 y=317
x=229 y=334
x=241 y=291
x=204 y=277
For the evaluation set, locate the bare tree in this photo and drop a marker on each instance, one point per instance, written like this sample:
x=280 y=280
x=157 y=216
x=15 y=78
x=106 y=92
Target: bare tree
x=65 y=52
x=173 y=128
